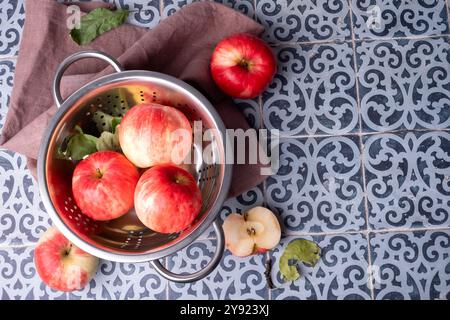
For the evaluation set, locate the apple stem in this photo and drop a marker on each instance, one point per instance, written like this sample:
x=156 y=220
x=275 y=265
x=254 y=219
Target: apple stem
x=243 y=63
x=67 y=252
x=251 y=231
x=98 y=173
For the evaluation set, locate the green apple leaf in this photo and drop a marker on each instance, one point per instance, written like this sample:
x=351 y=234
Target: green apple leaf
x=79 y=145
x=108 y=141
x=300 y=250
x=97 y=22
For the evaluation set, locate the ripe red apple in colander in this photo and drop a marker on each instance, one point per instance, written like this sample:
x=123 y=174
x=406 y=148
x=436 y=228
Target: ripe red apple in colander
x=103 y=185
x=152 y=134
x=167 y=199
x=242 y=66
x=60 y=264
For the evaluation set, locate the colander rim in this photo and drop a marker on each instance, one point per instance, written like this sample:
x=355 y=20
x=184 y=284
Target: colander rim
x=131 y=75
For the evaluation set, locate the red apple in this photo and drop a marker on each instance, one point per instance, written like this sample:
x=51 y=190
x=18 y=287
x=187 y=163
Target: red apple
x=103 y=185
x=152 y=134
x=167 y=199
x=60 y=264
x=242 y=66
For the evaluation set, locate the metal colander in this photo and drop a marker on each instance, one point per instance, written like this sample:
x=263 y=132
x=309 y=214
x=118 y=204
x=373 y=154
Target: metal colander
x=126 y=239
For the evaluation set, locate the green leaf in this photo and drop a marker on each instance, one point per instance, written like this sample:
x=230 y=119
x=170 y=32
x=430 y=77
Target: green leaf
x=79 y=145
x=97 y=22
x=300 y=250
x=106 y=122
x=108 y=141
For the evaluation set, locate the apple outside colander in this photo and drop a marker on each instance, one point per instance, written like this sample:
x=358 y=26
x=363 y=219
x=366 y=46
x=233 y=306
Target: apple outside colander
x=126 y=239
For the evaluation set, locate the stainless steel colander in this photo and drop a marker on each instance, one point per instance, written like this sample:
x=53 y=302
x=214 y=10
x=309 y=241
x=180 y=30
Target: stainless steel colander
x=126 y=239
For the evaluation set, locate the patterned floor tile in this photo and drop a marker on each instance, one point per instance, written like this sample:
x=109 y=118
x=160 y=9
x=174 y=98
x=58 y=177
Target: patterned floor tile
x=341 y=273
x=7 y=68
x=398 y=18
x=318 y=187
x=12 y=17
x=234 y=278
x=408 y=179
x=404 y=84
x=143 y=13
x=19 y=280
x=413 y=265
x=304 y=20
x=313 y=92
x=23 y=217
x=244 y=6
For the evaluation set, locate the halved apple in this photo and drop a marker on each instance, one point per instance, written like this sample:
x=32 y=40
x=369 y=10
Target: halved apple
x=255 y=231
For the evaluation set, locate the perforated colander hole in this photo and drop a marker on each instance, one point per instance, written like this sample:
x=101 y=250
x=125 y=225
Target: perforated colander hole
x=65 y=208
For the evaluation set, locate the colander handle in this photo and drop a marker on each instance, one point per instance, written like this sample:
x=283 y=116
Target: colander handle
x=73 y=58
x=201 y=273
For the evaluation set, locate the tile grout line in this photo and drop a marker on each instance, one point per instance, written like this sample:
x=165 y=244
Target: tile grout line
x=14 y=58
x=357 y=134
x=267 y=254
x=447 y=6
x=370 y=267
x=7 y=246
x=161 y=8
x=365 y=231
x=405 y=230
x=340 y=41
x=261 y=125
x=361 y=149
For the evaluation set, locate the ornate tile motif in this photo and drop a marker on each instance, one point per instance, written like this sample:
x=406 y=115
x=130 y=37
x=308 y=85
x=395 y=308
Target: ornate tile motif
x=23 y=217
x=408 y=179
x=318 y=187
x=313 y=92
x=244 y=6
x=20 y=280
x=234 y=278
x=7 y=68
x=413 y=265
x=404 y=84
x=12 y=17
x=341 y=273
x=143 y=13
x=304 y=20
x=398 y=18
